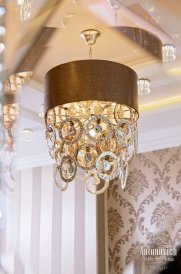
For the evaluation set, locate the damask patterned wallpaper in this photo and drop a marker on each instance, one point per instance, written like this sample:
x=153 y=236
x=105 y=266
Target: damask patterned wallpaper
x=149 y=205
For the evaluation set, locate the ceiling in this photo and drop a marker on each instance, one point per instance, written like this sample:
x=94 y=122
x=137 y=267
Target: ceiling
x=31 y=46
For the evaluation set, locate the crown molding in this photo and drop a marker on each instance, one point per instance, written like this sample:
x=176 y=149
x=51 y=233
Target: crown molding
x=164 y=103
x=36 y=160
x=159 y=139
x=151 y=141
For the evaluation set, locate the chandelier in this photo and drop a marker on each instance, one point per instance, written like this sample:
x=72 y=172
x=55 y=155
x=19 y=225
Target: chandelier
x=90 y=114
x=12 y=85
x=24 y=9
x=10 y=110
x=168 y=52
x=7 y=139
x=143 y=86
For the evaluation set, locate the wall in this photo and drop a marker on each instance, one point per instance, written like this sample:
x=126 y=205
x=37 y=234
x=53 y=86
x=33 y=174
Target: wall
x=54 y=232
x=49 y=231
x=150 y=205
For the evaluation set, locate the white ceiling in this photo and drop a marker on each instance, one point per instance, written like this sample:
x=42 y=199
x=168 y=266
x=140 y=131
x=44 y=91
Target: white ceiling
x=160 y=111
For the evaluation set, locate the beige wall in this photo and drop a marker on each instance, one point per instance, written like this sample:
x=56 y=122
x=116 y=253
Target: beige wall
x=150 y=204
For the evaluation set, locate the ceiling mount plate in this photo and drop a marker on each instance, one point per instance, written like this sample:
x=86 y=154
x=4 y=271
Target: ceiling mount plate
x=90 y=36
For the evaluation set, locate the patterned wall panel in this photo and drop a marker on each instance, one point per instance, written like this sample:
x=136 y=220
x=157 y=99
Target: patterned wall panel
x=150 y=205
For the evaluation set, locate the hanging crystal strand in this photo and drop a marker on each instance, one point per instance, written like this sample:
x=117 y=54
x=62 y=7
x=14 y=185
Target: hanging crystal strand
x=136 y=139
x=90 y=52
x=90 y=36
x=115 y=6
x=58 y=180
x=25 y=10
x=9 y=178
x=92 y=183
x=123 y=175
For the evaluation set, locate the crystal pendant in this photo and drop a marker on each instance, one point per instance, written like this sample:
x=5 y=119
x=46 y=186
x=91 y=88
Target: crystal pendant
x=124 y=133
x=86 y=156
x=143 y=86
x=168 y=51
x=70 y=130
x=58 y=180
x=68 y=169
x=99 y=128
x=91 y=136
x=127 y=153
x=50 y=137
x=66 y=19
x=109 y=145
x=12 y=131
x=107 y=166
x=58 y=155
x=8 y=156
x=115 y=4
x=123 y=174
x=93 y=184
x=7 y=167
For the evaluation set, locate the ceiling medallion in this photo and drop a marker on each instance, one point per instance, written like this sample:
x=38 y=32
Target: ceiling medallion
x=91 y=113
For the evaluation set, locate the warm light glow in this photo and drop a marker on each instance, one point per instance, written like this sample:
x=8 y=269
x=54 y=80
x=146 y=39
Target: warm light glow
x=86 y=127
x=15 y=82
x=175 y=71
x=98 y=137
x=160 y=103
